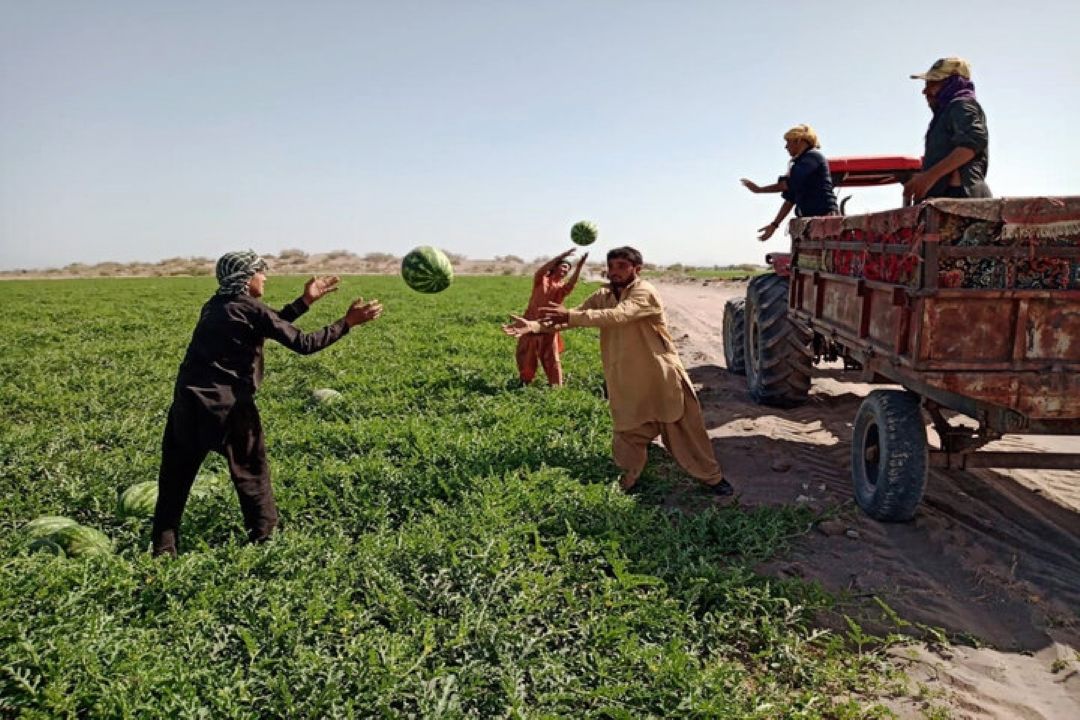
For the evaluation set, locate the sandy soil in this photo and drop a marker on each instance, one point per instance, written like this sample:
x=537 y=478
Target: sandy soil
x=992 y=558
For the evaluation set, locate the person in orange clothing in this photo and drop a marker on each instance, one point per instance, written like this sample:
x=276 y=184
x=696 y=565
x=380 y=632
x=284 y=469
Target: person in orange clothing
x=550 y=286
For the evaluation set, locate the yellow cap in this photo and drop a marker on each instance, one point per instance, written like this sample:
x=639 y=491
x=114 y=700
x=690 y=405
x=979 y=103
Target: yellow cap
x=946 y=67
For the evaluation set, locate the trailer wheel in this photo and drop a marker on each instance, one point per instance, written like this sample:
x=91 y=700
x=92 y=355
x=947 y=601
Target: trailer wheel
x=778 y=351
x=735 y=336
x=889 y=455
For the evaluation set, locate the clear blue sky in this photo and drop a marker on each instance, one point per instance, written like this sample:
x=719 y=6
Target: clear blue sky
x=145 y=130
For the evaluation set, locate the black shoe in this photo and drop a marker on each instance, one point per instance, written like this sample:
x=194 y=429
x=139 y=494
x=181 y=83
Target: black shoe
x=722 y=488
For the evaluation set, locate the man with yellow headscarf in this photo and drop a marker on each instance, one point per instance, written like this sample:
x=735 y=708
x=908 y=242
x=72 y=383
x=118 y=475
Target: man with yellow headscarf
x=807 y=187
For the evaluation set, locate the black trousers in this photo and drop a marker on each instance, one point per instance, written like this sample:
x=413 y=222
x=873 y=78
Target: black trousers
x=191 y=433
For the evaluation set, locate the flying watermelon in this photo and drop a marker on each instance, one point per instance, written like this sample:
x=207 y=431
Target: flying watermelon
x=583 y=233
x=427 y=270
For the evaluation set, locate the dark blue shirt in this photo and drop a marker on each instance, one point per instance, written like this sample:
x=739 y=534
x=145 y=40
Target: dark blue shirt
x=809 y=185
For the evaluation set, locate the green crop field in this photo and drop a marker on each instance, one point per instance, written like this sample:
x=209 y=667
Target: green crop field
x=451 y=545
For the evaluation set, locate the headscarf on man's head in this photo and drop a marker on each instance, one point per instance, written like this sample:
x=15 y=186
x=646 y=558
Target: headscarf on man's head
x=235 y=269
x=803 y=132
x=953 y=88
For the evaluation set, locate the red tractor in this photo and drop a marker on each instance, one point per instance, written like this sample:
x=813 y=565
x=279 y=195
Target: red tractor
x=776 y=376
x=972 y=306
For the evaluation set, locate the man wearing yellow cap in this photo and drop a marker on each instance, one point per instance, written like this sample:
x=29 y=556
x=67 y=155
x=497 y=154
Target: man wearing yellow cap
x=955 y=158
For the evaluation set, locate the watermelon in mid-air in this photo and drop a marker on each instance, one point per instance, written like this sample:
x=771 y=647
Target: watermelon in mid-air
x=139 y=500
x=427 y=270
x=583 y=233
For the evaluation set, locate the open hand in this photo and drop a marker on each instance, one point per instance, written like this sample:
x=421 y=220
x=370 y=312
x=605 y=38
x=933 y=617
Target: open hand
x=361 y=312
x=554 y=314
x=317 y=287
x=750 y=185
x=764 y=233
x=519 y=326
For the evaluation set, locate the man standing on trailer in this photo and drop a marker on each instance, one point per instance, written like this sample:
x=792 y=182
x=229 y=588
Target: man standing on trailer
x=956 y=158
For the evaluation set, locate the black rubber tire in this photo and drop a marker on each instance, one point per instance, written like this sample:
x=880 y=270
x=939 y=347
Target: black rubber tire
x=779 y=353
x=889 y=455
x=735 y=336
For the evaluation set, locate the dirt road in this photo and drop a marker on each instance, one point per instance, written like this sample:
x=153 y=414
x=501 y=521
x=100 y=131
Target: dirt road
x=992 y=557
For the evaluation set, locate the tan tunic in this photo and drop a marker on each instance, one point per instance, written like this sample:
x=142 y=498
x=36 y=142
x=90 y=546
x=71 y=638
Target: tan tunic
x=645 y=377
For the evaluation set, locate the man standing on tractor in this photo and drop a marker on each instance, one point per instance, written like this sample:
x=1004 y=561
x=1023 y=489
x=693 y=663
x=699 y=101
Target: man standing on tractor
x=807 y=187
x=955 y=158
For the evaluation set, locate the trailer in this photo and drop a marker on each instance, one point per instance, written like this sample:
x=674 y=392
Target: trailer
x=972 y=307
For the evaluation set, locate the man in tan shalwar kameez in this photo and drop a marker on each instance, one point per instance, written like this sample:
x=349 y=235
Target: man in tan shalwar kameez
x=648 y=389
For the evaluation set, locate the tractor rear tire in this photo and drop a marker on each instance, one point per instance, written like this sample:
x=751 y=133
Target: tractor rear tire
x=889 y=455
x=779 y=353
x=735 y=336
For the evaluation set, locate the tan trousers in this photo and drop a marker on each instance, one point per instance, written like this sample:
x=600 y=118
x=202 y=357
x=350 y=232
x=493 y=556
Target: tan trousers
x=686 y=440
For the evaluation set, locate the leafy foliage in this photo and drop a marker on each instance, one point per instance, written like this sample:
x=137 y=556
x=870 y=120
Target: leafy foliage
x=452 y=544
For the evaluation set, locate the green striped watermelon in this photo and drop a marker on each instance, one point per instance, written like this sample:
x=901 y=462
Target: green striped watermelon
x=82 y=541
x=46 y=545
x=427 y=270
x=138 y=500
x=583 y=233
x=46 y=526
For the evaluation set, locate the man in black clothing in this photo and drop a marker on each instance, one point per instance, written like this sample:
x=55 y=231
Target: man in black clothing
x=955 y=158
x=807 y=187
x=213 y=405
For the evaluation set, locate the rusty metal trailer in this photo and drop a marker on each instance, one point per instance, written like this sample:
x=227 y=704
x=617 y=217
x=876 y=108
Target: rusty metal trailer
x=972 y=306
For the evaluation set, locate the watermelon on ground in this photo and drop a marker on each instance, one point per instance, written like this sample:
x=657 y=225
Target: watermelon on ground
x=46 y=526
x=46 y=545
x=82 y=541
x=583 y=233
x=207 y=483
x=427 y=269
x=325 y=396
x=138 y=500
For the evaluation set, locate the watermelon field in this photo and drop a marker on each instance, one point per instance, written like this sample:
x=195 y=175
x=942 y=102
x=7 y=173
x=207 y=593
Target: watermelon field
x=452 y=545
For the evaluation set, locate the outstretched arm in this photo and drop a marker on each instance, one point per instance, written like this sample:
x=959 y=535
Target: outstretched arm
x=550 y=264
x=639 y=304
x=768 y=230
x=315 y=288
x=572 y=280
x=277 y=328
x=755 y=188
x=520 y=327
